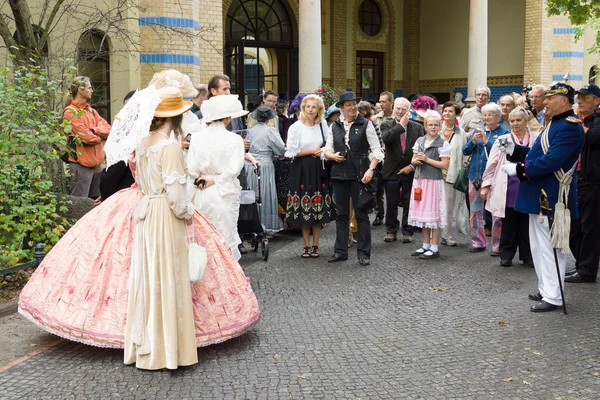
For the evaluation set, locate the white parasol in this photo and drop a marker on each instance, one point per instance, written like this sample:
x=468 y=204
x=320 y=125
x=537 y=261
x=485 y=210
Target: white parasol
x=131 y=125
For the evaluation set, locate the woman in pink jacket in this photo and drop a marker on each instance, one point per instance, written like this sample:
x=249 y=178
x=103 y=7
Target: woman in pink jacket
x=500 y=191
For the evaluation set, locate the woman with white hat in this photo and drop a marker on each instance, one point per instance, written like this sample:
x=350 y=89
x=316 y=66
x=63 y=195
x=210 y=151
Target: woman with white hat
x=215 y=159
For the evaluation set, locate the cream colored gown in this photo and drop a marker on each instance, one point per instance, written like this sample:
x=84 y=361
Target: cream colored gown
x=159 y=332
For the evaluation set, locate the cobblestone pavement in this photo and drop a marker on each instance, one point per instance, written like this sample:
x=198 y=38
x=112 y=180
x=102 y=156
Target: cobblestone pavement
x=403 y=328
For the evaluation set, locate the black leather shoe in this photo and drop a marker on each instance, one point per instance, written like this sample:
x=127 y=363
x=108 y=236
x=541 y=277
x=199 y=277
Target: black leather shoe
x=567 y=273
x=505 y=263
x=576 y=278
x=364 y=261
x=476 y=249
x=378 y=221
x=543 y=306
x=243 y=250
x=337 y=258
x=535 y=296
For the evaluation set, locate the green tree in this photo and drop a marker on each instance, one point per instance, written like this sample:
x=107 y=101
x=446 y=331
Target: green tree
x=582 y=14
x=31 y=132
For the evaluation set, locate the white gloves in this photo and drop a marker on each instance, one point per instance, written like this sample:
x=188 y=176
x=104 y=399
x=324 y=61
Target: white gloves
x=506 y=144
x=510 y=169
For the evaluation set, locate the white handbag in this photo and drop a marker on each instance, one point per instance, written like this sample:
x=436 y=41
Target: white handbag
x=197 y=261
x=197 y=258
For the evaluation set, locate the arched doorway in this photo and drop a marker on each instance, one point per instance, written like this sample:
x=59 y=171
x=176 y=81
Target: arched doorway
x=93 y=60
x=260 y=49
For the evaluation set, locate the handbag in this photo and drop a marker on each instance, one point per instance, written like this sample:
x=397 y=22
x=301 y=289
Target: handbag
x=418 y=191
x=197 y=258
x=462 y=178
x=417 y=194
x=326 y=170
x=367 y=192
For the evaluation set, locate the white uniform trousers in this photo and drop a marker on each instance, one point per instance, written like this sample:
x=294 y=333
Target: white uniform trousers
x=543 y=258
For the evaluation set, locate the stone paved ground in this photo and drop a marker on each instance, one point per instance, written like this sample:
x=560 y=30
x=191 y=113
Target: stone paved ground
x=459 y=327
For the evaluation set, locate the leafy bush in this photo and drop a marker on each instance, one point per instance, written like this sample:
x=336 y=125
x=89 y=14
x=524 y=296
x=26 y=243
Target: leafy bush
x=32 y=134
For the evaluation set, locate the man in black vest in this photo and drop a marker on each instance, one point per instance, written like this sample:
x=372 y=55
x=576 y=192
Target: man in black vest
x=353 y=145
x=399 y=136
x=585 y=231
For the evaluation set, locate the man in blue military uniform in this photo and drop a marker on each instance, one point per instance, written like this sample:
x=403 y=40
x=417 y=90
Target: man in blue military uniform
x=548 y=166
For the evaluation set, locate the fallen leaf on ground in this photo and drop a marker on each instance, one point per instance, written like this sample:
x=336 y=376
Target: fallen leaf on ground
x=300 y=377
x=33 y=345
x=537 y=353
x=525 y=382
x=596 y=374
x=500 y=322
x=527 y=348
x=276 y=357
x=436 y=289
x=508 y=380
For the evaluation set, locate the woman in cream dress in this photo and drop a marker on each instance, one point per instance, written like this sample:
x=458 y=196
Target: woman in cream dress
x=159 y=332
x=216 y=156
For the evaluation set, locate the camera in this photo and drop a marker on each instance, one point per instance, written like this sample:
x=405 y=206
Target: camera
x=503 y=141
x=199 y=182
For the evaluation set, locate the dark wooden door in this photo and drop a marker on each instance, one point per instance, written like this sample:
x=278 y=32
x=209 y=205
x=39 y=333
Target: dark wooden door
x=369 y=74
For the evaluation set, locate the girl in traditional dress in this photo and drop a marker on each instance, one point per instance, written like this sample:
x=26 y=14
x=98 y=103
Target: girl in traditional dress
x=428 y=208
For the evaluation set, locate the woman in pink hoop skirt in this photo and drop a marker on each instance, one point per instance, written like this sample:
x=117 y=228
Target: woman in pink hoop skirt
x=79 y=292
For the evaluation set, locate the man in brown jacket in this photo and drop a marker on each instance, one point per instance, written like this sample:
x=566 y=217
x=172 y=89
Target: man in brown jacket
x=85 y=139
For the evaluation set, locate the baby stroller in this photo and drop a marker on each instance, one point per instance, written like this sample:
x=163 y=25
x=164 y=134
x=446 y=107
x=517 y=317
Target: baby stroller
x=249 y=219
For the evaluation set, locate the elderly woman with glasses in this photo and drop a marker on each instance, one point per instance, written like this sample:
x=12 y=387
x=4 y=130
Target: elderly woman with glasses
x=478 y=148
x=500 y=191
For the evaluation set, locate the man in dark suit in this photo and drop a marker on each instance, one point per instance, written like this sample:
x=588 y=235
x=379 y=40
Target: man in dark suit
x=399 y=136
x=549 y=165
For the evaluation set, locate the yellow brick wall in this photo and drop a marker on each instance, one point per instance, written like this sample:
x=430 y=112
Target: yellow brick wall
x=158 y=40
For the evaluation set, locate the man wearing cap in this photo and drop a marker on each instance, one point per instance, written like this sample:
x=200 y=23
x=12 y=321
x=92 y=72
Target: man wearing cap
x=585 y=231
x=353 y=145
x=548 y=166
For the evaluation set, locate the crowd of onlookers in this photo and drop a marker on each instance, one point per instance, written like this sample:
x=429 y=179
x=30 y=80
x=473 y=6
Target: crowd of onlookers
x=438 y=163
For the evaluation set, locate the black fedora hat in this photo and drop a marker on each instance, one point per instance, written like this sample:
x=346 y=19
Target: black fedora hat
x=263 y=113
x=346 y=96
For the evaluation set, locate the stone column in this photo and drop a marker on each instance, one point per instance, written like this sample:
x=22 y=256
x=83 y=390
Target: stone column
x=478 y=42
x=309 y=46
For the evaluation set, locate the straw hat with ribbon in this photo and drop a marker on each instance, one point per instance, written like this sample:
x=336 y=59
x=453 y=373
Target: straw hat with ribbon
x=172 y=103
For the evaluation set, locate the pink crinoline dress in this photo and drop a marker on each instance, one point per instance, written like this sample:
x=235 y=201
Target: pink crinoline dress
x=79 y=292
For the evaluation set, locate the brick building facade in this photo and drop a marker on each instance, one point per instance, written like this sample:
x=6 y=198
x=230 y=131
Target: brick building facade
x=402 y=46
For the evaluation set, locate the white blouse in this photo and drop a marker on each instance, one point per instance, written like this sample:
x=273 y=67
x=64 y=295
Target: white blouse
x=302 y=137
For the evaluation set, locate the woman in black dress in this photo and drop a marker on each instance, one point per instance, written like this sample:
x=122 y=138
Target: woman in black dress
x=309 y=201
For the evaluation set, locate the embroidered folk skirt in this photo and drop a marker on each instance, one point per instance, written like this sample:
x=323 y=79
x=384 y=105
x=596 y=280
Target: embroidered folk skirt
x=309 y=199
